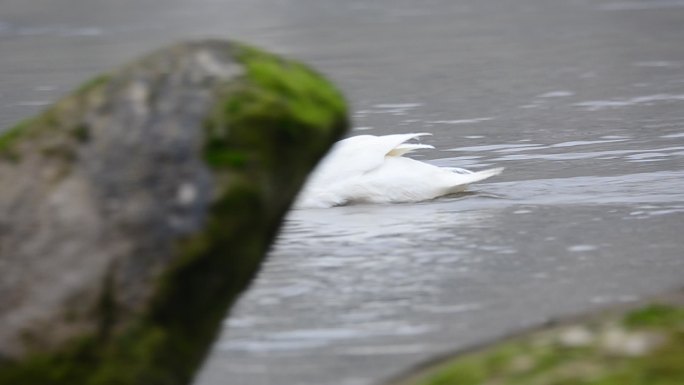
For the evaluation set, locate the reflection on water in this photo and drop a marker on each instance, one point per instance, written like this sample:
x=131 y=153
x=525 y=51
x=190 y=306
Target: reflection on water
x=597 y=105
x=393 y=282
x=368 y=267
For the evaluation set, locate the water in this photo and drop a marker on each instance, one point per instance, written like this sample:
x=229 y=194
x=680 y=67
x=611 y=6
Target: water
x=582 y=101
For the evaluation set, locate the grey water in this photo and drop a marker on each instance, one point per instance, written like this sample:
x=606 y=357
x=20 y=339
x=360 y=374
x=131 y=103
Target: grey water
x=581 y=100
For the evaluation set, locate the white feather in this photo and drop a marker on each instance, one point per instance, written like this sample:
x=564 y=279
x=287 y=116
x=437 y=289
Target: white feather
x=371 y=169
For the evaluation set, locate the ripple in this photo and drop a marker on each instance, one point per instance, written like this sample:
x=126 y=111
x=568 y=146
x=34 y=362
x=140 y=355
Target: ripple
x=388 y=109
x=658 y=64
x=461 y=121
x=556 y=94
x=585 y=142
x=650 y=187
x=517 y=147
x=648 y=211
x=666 y=151
x=62 y=30
x=450 y=309
x=672 y=136
x=581 y=248
x=387 y=349
x=597 y=105
x=393 y=106
x=641 y=5
x=492 y=147
x=299 y=339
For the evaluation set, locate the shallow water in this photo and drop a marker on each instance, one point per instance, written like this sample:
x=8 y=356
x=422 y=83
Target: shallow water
x=582 y=101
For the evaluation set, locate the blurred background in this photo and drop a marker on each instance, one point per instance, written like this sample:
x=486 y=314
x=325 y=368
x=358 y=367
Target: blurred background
x=581 y=100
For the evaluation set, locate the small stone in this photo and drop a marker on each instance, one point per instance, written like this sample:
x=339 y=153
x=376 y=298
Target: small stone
x=522 y=363
x=576 y=337
x=620 y=342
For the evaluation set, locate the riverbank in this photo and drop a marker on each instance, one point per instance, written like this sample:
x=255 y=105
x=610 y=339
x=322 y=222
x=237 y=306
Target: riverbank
x=635 y=345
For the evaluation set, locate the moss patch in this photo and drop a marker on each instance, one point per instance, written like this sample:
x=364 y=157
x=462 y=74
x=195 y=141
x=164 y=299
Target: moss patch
x=656 y=315
x=273 y=123
x=9 y=137
x=643 y=347
x=278 y=105
x=51 y=125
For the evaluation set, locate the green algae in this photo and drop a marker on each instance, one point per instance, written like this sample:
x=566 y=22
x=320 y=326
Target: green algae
x=52 y=123
x=277 y=99
x=81 y=132
x=267 y=129
x=11 y=137
x=655 y=315
x=94 y=83
x=541 y=358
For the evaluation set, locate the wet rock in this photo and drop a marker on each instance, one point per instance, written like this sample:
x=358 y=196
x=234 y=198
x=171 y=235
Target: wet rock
x=134 y=211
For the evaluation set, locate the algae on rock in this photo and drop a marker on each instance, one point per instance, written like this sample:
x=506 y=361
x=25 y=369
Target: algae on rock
x=134 y=211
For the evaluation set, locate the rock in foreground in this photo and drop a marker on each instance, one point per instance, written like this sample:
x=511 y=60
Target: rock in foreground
x=637 y=346
x=133 y=212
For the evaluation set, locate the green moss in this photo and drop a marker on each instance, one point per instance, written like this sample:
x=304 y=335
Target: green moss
x=541 y=359
x=281 y=101
x=49 y=120
x=81 y=132
x=10 y=137
x=93 y=83
x=273 y=123
x=656 y=315
x=304 y=94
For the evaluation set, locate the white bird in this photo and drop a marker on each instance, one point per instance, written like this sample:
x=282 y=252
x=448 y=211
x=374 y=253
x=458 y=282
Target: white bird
x=371 y=169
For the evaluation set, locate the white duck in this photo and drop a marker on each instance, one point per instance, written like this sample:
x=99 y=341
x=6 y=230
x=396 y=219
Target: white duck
x=371 y=169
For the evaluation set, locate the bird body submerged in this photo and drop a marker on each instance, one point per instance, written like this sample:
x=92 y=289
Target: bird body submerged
x=372 y=169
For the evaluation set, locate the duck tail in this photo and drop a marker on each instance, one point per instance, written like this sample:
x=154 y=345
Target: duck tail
x=476 y=176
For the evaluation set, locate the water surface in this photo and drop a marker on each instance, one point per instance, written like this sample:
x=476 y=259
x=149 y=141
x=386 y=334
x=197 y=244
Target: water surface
x=582 y=101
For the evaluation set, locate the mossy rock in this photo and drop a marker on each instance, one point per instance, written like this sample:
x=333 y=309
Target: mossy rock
x=134 y=211
x=635 y=346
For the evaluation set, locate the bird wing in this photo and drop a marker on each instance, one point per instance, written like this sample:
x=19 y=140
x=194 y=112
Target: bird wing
x=361 y=154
